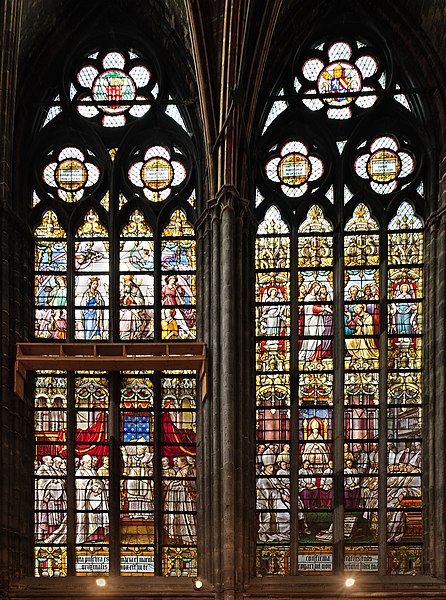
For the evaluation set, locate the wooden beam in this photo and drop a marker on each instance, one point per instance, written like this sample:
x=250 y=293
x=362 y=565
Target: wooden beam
x=36 y=356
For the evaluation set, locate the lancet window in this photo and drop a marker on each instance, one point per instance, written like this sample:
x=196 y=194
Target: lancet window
x=113 y=211
x=339 y=308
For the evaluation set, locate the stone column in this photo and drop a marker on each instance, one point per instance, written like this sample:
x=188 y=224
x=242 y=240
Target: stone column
x=225 y=234
x=15 y=298
x=434 y=360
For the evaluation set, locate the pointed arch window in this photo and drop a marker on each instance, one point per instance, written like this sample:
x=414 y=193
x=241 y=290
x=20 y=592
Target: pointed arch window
x=339 y=294
x=113 y=215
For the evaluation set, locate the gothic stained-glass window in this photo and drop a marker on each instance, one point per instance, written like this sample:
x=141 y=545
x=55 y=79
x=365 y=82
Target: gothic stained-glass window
x=136 y=280
x=339 y=293
x=50 y=289
x=156 y=531
x=114 y=262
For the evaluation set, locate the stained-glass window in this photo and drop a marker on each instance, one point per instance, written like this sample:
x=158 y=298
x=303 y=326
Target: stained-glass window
x=50 y=288
x=337 y=70
x=137 y=263
x=115 y=262
x=155 y=414
x=339 y=293
x=178 y=317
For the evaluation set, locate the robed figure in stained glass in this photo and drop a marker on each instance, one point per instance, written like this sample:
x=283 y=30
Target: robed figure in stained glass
x=51 y=503
x=180 y=505
x=135 y=323
x=273 y=500
x=315 y=450
x=404 y=311
x=138 y=467
x=362 y=348
x=314 y=324
x=91 y=503
x=175 y=291
x=92 y=316
x=272 y=321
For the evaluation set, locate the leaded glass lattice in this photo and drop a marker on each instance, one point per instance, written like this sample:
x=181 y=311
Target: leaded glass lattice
x=339 y=294
x=156 y=419
x=115 y=261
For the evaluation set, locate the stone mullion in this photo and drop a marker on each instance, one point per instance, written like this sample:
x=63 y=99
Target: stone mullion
x=338 y=381
x=429 y=383
x=204 y=415
x=383 y=398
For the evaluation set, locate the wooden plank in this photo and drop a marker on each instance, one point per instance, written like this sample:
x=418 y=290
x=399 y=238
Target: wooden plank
x=36 y=356
x=75 y=363
x=19 y=380
x=110 y=349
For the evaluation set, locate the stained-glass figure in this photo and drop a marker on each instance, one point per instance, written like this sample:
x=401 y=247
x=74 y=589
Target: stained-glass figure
x=92 y=279
x=361 y=320
x=137 y=479
x=338 y=324
x=137 y=258
x=361 y=385
x=273 y=458
x=404 y=413
x=50 y=496
x=315 y=292
x=109 y=265
x=272 y=252
x=179 y=473
x=91 y=475
x=50 y=465
x=50 y=288
x=178 y=263
x=338 y=71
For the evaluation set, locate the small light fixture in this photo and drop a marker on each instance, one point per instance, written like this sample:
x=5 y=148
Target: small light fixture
x=198 y=584
x=349 y=582
x=100 y=582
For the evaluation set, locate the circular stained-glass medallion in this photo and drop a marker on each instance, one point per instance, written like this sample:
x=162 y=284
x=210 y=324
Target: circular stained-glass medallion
x=113 y=86
x=71 y=175
x=157 y=174
x=340 y=78
x=294 y=169
x=383 y=166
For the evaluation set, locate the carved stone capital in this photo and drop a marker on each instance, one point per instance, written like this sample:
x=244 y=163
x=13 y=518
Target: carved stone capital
x=436 y=220
x=227 y=198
